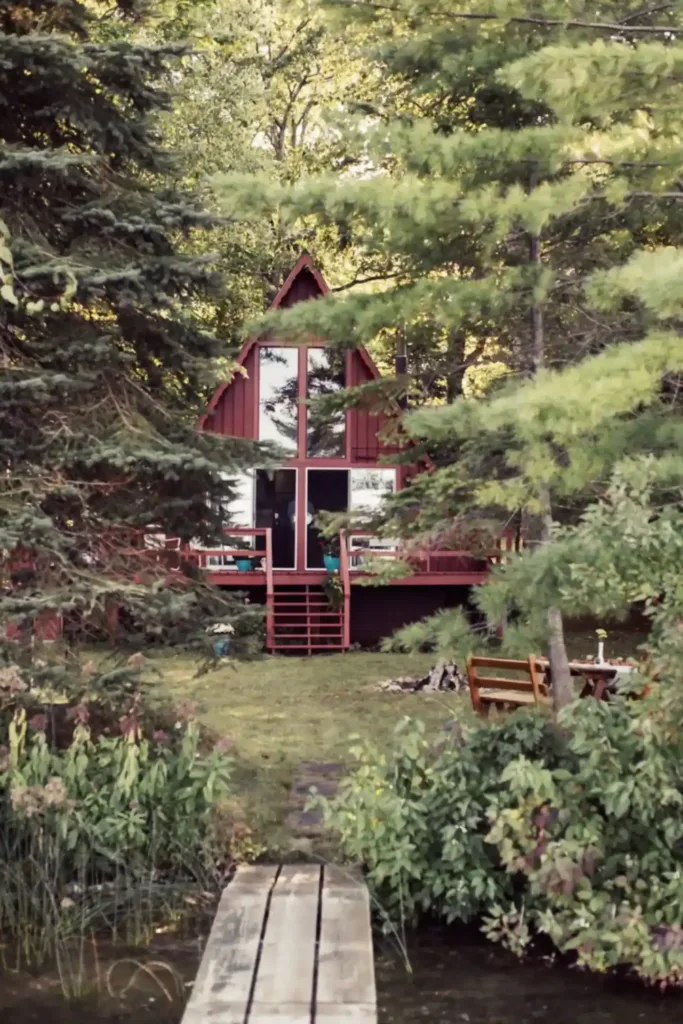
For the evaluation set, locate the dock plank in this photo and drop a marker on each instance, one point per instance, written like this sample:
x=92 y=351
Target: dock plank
x=349 y=1014
x=343 y=878
x=346 y=972
x=259 y=965
x=287 y=965
x=223 y=984
x=262 y=1014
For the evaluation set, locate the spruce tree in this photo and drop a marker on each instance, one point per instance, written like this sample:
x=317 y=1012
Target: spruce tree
x=105 y=362
x=496 y=229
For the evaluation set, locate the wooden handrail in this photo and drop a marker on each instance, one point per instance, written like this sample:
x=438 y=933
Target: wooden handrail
x=428 y=556
x=270 y=592
x=346 y=587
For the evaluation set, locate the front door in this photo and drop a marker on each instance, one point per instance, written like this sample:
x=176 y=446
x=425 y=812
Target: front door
x=327 y=491
x=276 y=508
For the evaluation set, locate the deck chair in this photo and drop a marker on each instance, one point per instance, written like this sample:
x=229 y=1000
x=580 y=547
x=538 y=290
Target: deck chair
x=530 y=689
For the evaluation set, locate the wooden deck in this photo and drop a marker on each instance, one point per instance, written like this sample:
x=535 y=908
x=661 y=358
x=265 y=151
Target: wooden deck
x=289 y=945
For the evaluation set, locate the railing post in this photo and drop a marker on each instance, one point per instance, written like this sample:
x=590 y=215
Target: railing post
x=270 y=595
x=346 y=586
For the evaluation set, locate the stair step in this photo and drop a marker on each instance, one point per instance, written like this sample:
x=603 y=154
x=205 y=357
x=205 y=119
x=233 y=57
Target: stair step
x=303 y=611
x=306 y=633
x=297 y=593
x=305 y=614
x=308 y=647
x=300 y=604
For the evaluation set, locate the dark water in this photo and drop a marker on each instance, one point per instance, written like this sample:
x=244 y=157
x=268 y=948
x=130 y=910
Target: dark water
x=454 y=982
x=131 y=986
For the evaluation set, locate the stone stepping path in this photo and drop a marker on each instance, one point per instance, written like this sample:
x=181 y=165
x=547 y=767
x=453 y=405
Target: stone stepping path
x=321 y=778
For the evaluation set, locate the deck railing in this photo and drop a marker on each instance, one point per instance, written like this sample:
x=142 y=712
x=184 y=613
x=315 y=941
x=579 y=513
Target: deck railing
x=346 y=587
x=358 y=549
x=364 y=547
x=201 y=557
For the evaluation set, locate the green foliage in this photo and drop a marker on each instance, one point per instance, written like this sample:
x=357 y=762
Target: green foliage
x=574 y=834
x=104 y=830
x=447 y=633
x=123 y=800
x=106 y=357
x=333 y=590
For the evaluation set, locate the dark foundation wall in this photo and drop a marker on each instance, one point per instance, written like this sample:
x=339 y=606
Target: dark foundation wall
x=377 y=612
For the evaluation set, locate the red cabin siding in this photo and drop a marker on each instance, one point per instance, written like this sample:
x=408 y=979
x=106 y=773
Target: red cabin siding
x=235 y=411
x=364 y=425
x=303 y=287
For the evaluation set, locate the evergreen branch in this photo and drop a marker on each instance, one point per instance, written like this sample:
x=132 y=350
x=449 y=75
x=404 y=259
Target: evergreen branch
x=520 y=19
x=365 y=280
x=646 y=12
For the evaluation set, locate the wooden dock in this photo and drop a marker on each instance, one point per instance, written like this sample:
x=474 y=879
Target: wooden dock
x=289 y=945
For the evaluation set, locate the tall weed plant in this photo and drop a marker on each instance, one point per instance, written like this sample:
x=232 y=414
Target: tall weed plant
x=109 y=834
x=572 y=831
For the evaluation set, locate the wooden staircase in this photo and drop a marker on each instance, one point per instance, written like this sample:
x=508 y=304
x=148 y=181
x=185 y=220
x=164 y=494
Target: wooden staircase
x=303 y=621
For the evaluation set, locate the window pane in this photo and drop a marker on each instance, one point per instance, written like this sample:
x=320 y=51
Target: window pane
x=369 y=488
x=240 y=511
x=279 y=397
x=326 y=376
x=276 y=508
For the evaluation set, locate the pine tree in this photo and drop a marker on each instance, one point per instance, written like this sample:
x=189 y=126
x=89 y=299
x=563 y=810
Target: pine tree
x=497 y=228
x=257 y=97
x=105 y=362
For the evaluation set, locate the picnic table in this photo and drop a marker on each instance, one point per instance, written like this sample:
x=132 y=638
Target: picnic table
x=598 y=680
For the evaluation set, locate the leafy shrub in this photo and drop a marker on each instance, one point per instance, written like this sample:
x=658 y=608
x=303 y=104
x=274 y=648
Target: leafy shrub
x=574 y=831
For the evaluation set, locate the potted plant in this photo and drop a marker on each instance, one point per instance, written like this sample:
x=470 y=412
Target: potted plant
x=223 y=632
x=333 y=590
x=331 y=559
x=248 y=561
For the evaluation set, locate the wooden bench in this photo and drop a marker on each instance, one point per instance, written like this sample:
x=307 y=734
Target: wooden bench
x=289 y=945
x=502 y=691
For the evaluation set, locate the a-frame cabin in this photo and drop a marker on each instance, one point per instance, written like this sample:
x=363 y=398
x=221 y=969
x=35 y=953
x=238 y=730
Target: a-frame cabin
x=333 y=464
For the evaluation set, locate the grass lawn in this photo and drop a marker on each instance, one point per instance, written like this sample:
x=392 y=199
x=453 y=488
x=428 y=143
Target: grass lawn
x=281 y=711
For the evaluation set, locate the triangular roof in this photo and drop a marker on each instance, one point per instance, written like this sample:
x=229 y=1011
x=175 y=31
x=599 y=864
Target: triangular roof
x=304 y=266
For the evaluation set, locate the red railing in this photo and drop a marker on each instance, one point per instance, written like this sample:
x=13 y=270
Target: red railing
x=432 y=562
x=270 y=593
x=200 y=557
x=346 y=587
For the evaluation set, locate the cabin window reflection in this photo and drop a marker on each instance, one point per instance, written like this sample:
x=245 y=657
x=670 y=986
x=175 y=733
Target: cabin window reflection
x=370 y=488
x=279 y=397
x=326 y=429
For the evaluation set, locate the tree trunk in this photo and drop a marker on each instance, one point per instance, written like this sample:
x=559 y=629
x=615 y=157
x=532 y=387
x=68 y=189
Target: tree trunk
x=563 y=690
x=401 y=365
x=557 y=651
x=456 y=365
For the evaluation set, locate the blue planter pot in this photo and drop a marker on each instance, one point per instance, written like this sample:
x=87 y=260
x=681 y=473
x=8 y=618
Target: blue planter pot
x=331 y=563
x=222 y=647
x=244 y=564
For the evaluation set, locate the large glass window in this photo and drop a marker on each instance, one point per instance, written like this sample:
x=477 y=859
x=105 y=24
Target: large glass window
x=279 y=397
x=327 y=491
x=369 y=488
x=326 y=429
x=240 y=510
x=276 y=508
